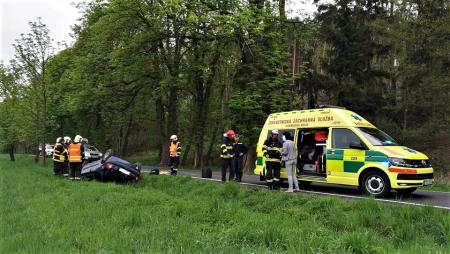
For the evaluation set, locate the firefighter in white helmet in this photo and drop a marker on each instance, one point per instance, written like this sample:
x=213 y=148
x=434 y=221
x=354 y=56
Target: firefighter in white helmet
x=76 y=156
x=59 y=157
x=175 y=152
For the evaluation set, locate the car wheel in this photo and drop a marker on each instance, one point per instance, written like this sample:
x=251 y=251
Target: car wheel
x=406 y=191
x=376 y=184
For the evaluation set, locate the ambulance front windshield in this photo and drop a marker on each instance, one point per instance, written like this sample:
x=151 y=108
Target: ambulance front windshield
x=377 y=137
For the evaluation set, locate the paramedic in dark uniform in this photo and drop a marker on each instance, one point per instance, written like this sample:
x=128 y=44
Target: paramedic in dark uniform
x=240 y=150
x=272 y=151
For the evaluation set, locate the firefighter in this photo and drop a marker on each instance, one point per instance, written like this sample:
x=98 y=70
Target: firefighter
x=59 y=157
x=272 y=151
x=67 y=142
x=227 y=155
x=240 y=150
x=175 y=152
x=76 y=156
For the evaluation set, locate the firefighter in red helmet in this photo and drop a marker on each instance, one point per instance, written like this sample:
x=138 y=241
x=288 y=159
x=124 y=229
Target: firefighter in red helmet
x=227 y=155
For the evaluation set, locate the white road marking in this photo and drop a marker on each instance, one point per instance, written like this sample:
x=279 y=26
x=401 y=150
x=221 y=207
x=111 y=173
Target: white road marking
x=334 y=194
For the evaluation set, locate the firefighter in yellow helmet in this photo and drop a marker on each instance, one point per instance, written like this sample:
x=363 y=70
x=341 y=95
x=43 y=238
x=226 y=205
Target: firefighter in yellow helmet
x=59 y=157
x=76 y=156
x=175 y=152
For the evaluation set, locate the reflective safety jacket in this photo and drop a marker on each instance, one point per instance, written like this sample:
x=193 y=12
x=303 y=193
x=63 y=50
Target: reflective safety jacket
x=175 y=149
x=59 y=153
x=75 y=153
x=273 y=149
x=227 y=148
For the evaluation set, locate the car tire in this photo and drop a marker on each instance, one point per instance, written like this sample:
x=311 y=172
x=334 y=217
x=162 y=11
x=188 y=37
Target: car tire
x=406 y=191
x=376 y=184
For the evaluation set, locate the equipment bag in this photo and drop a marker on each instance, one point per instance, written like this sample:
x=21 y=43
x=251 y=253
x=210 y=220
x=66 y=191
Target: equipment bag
x=206 y=173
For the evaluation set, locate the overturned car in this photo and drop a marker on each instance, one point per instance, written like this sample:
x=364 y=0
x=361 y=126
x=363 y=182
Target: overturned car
x=111 y=168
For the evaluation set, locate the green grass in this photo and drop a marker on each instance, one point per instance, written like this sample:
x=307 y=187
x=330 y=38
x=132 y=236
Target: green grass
x=41 y=213
x=438 y=187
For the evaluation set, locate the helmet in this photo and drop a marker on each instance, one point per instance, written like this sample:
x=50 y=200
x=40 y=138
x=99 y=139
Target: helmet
x=173 y=137
x=230 y=134
x=78 y=139
x=59 y=140
x=67 y=139
x=275 y=132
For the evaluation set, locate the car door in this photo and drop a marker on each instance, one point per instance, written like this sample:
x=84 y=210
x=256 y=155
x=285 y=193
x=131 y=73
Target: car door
x=343 y=159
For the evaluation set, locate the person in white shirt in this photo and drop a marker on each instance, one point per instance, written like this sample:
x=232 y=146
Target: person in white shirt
x=289 y=156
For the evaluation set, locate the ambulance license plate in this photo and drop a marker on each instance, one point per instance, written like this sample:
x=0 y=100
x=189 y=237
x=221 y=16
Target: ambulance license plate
x=427 y=182
x=126 y=172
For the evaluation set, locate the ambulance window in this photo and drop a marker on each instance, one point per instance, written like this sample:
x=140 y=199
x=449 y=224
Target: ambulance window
x=280 y=136
x=343 y=137
x=377 y=137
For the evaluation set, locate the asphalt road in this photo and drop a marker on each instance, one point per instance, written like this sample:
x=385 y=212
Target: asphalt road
x=418 y=198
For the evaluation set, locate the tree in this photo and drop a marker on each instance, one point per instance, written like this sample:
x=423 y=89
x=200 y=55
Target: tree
x=33 y=52
x=9 y=110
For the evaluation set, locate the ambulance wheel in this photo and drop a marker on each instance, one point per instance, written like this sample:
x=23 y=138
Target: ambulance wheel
x=406 y=191
x=376 y=184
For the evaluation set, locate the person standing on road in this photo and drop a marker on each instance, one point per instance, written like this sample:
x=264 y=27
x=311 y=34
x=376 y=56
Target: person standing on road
x=227 y=155
x=175 y=153
x=67 y=142
x=240 y=149
x=59 y=157
x=272 y=151
x=289 y=156
x=76 y=156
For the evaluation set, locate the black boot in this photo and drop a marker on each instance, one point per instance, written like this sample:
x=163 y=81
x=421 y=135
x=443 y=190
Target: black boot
x=275 y=185
x=270 y=185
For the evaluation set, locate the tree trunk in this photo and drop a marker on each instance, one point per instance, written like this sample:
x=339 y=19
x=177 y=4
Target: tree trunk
x=172 y=111
x=37 y=154
x=164 y=149
x=250 y=158
x=211 y=145
x=44 y=153
x=127 y=135
x=11 y=152
x=282 y=9
x=186 y=154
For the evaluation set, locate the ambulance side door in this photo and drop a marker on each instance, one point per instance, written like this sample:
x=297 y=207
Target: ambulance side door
x=343 y=159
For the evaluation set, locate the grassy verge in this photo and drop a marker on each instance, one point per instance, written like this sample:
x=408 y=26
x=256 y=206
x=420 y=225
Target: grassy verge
x=438 y=187
x=44 y=214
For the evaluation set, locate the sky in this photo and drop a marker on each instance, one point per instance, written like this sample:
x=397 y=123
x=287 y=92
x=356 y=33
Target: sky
x=60 y=15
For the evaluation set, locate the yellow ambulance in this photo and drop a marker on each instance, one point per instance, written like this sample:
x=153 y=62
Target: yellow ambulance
x=338 y=146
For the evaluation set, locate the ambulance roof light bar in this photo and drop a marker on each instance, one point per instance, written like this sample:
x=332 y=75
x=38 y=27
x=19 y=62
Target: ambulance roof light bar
x=331 y=106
